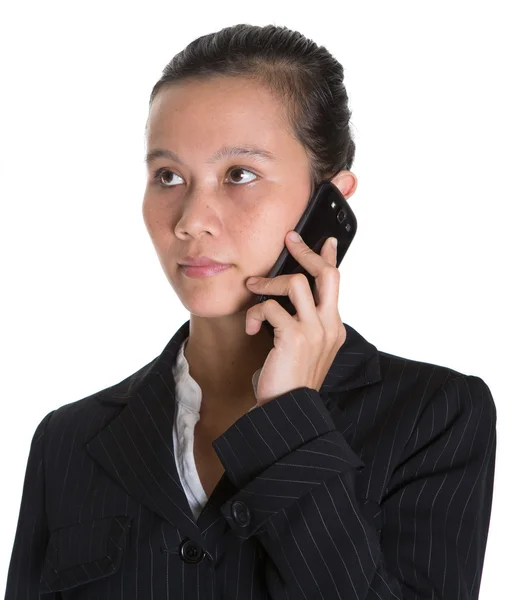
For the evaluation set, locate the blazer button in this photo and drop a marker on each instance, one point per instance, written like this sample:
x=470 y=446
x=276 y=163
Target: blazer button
x=190 y=552
x=240 y=513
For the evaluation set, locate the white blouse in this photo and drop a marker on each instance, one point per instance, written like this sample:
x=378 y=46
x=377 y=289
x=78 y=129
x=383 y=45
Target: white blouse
x=188 y=404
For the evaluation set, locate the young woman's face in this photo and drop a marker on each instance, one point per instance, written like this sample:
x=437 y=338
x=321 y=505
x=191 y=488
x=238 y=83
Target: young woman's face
x=235 y=210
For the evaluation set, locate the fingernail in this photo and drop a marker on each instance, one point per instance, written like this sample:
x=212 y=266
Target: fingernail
x=334 y=243
x=294 y=236
x=252 y=280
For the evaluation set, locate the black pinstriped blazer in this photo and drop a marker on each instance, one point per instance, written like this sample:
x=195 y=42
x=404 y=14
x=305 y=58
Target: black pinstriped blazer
x=377 y=486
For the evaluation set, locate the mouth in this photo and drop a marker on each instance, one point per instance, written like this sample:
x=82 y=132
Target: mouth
x=199 y=261
x=207 y=270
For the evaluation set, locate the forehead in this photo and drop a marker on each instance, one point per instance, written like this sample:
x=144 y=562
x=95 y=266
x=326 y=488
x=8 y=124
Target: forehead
x=217 y=110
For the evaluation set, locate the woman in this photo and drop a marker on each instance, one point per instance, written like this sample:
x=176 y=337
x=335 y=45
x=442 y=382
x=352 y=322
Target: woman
x=237 y=465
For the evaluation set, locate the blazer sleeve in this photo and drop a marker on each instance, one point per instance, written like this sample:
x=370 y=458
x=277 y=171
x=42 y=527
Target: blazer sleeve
x=23 y=578
x=296 y=477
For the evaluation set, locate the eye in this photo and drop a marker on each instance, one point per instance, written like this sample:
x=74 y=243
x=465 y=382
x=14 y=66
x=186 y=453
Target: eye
x=238 y=169
x=160 y=175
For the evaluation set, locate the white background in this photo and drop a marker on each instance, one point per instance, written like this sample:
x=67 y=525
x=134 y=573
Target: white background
x=85 y=302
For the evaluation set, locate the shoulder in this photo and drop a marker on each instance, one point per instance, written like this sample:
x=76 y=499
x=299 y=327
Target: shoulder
x=432 y=380
x=83 y=418
x=419 y=401
x=439 y=398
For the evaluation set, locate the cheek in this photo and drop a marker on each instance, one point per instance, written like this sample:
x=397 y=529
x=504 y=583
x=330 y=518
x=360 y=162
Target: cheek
x=157 y=217
x=261 y=239
x=149 y=214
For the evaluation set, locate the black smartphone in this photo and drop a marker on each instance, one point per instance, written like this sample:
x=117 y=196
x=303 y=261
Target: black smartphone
x=327 y=214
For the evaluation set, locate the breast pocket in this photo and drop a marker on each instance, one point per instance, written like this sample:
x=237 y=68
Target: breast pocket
x=84 y=552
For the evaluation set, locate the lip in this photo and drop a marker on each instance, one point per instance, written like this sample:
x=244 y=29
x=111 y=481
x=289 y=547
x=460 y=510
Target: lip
x=204 y=271
x=199 y=261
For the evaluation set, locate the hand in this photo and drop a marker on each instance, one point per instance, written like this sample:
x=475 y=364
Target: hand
x=305 y=344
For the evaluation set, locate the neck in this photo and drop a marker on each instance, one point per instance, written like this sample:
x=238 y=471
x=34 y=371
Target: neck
x=222 y=359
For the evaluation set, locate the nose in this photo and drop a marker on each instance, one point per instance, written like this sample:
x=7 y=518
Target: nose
x=198 y=213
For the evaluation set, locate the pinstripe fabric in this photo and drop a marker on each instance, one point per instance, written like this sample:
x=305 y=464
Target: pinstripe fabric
x=377 y=486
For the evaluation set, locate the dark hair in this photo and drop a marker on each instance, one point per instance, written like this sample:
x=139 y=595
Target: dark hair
x=306 y=77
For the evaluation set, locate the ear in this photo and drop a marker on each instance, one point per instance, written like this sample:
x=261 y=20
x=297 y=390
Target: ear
x=346 y=182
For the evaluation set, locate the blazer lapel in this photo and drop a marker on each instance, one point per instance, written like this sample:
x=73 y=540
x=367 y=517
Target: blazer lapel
x=136 y=447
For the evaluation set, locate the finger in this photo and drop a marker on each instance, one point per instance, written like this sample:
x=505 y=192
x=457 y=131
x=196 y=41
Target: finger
x=327 y=289
x=314 y=263
x=326 y=277
x=329 y=251
x=270 y=311
x=297 y=288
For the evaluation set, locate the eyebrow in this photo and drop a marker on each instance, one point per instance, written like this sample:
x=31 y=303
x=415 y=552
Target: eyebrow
x=222 y=153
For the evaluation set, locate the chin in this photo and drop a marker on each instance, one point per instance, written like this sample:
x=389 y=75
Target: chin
x=211 y=305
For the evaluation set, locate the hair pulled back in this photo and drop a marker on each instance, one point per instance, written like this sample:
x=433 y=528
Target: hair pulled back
x=305 y=77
